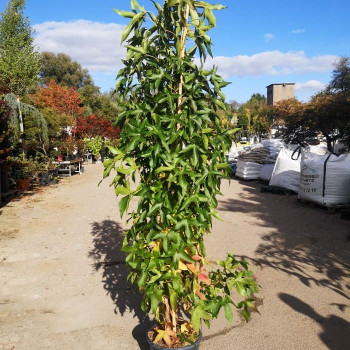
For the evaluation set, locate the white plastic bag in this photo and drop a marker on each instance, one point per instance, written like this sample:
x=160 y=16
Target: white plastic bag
x=286 y=173
x=248 y=170
x=325 y=179
x=266 y=172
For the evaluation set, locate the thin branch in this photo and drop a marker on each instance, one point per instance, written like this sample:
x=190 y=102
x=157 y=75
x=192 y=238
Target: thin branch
x=182 y=54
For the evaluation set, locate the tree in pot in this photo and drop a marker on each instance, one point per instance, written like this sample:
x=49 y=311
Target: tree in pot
x=172 y=157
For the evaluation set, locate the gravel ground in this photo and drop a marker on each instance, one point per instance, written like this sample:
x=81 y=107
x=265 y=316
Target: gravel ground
x=63 y=280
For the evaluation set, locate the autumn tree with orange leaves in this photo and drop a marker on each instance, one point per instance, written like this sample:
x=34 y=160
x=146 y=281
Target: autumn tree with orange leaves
x=61 y=106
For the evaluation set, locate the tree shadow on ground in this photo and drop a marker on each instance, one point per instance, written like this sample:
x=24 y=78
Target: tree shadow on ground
x=305 y=242
x=335 y=330
x=299 y=238
x=108 y=258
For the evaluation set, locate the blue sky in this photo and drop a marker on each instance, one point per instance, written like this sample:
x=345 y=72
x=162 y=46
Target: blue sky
x=256 y=43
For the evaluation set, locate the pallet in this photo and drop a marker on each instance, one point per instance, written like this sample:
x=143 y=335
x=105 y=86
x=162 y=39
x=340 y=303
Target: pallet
x=345 y=214
x=330 y=209
x=276 y=190
x=7 y=196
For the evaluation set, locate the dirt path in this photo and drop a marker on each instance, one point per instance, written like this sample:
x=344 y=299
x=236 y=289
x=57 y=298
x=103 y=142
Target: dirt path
x=62 y=277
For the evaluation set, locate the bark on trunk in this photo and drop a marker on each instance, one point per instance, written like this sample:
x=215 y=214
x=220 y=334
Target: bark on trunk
x=182 y=54
x=329 y=144
x=21 y=129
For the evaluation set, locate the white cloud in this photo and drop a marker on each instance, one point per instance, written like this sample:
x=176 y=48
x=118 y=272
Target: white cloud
x=271 y=63
x=310 y=85
x=96 y=46
x=298 y=31
x=268 y=37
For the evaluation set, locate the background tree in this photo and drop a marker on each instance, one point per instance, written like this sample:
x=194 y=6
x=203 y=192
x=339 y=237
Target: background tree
x=341 y=76
x=285 y=110
x=36 y=125
x=92 y=126
x=109 y=107
x=67 y=72
x=19 y=61
x=64 y=99
x=243 y=119
x=5 y=113
x=252 y=115
x=61 y=106
x=63 y=70
x=327 y=114
x=233 y=107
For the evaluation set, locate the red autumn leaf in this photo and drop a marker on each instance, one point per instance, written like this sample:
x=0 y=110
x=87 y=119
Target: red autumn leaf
x=204 y=278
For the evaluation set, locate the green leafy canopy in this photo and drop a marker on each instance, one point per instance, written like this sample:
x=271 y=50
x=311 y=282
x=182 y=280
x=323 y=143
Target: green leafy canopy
x=171 y=157
x=19 y=61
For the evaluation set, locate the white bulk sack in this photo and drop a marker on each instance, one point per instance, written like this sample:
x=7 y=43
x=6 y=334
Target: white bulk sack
x=318 y=149
x=325 y=179
x=274 y=146
x=286 y=173
x=266 y=172
x=248 y=170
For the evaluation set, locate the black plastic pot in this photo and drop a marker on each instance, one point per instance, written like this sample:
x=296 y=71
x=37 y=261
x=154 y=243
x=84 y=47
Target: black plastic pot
x=194 y=346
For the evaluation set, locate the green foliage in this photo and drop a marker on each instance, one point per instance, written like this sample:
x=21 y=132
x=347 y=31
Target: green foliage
x=37 y=129
x=243 y=119
x=341 y=76
x=5 y=130
x=66 y=72
x=326 y=114
x=63 y=70
x=95 y=145
x=252 y=115
x=19 y=61
x=172 y=140
x=23 y=168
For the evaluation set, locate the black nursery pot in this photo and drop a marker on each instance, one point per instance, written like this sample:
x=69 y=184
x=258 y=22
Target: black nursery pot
x=194 y=346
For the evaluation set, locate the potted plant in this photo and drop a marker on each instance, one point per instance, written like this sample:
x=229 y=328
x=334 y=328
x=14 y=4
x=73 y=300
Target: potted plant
x=24 y=170
x=95 y=145
x=171 y=156
x=68 y=146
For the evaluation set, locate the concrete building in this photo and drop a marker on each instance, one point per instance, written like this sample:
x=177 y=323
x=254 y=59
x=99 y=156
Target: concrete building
x=278 y=92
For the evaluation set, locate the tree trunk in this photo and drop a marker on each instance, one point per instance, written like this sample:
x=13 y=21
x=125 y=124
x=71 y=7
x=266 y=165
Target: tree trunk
x=167 y=316
x=21 y=129
x=329 y=144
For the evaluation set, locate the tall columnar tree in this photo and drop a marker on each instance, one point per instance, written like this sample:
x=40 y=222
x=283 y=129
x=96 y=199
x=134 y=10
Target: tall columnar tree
x=172 y=139
x=19 y=61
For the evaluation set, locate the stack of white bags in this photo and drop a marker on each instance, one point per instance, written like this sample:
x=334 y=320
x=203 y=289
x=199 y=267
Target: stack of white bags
x=250 y=163
x=248 y=170
x=315 y=174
